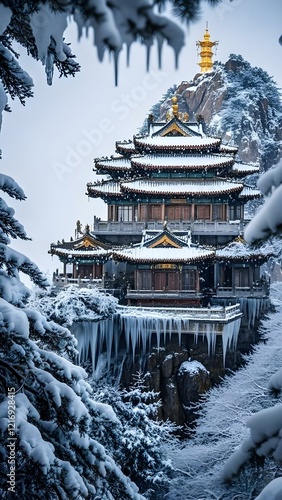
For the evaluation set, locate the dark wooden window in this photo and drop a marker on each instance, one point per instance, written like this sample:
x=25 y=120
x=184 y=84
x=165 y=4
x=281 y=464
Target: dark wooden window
x=144 y=212
x=178 y=212
x=155 y=212
x=189 y=279
x=242 y=277
x=160 y=280
x=234 y=212
x=125 y=213
x=217 y=212
x=144 y=279
x=202 y=212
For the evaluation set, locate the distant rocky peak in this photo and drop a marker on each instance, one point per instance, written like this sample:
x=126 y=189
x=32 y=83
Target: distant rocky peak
x=238 y=102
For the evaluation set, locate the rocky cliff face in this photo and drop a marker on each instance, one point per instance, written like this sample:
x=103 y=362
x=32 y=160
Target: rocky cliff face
x=239 y=103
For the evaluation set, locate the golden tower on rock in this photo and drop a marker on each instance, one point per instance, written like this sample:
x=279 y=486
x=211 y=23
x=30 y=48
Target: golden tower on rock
x=205 y=51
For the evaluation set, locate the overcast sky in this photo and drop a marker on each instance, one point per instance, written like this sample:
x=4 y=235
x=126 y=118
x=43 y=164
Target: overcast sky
x=49 y=145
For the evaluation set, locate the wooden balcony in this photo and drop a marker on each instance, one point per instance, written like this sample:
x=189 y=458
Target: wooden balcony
x=63 y=281
x=197 y=227
x=244 y=291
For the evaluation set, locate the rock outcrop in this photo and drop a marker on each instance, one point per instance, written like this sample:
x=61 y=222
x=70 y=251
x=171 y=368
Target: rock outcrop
x=239 y=103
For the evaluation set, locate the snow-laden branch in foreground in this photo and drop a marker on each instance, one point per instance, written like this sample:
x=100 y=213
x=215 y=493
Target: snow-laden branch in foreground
x=268 y=219
x=221 y=426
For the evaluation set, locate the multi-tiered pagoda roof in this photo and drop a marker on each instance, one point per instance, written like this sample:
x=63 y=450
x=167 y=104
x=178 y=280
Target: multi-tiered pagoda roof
x=177 y=160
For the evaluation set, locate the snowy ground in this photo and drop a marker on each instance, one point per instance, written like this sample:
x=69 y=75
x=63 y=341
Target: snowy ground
x=221 y=427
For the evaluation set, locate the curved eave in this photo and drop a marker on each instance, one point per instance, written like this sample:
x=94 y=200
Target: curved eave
x=126 y=148
x=228 y=149
x=181 y=166
x=166 y=145
x=247 y=257
x=239 y=170
x=113 y=165
x=71 y=256
x=250 y=194
x=160 y=258
x=104 y=190
x=182 y=192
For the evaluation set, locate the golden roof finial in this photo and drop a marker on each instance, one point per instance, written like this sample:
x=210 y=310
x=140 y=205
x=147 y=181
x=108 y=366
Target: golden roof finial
x=174 y=105
x=206 y=53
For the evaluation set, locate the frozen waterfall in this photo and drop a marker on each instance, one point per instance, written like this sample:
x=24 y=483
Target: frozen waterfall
x=134 y=331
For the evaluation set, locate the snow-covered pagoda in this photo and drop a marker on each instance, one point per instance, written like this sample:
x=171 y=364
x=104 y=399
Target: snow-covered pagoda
x=174 y=229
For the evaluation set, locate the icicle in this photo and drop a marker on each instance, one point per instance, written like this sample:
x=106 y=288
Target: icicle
x=116 y=56
x=128 y=47
x=109 y=341
x=144 y=336
x=170 y=328
x=196 y=333
x=160 y=42
x=133 y=337
x=128 y=326
x=158 y=333
x=230 y=336
x=208 y=337
x=117 y=329
x=148 y=44
x=178 y=325
x=93 y=343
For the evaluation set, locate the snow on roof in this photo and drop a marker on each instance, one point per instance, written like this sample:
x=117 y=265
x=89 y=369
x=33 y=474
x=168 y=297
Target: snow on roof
x=114 y=163
x=239 y=250
x=104 y=188
x=230 y=149
x=168 y=161
x=183 y=142
x=92 y=252
x=183 y=188
x=125 y=145
x=250 y=193
x=240 y=168
x=162 y=255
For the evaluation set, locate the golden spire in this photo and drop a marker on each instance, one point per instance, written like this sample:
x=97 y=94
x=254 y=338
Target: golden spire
x=206 y=52
x=174 y=105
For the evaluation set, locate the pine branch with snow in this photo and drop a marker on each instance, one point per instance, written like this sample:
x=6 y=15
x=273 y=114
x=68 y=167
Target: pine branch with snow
x=137 y=440
x=58 y=454
x=74 y=304
x=39 y=27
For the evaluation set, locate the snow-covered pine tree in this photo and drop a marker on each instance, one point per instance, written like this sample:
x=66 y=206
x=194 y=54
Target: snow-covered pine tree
x=138 y=444
x=48 y=447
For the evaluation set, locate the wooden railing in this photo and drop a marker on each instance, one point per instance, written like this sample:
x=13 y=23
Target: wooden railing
x=197 y=227
x=61 y=281
x=242 y=291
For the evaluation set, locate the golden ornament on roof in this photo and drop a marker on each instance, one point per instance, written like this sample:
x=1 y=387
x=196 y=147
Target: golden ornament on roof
x=174 y=105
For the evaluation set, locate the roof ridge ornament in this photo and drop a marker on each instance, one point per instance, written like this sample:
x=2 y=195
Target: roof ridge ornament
x=174 y=111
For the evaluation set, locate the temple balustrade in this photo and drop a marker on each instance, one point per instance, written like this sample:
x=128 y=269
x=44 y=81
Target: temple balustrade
x=197 y=227
x=243 y=291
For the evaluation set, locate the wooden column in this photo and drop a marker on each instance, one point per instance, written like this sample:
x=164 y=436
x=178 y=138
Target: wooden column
x=162 y=212
x=192 y=211
x=74 y=271
x=233 y=281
